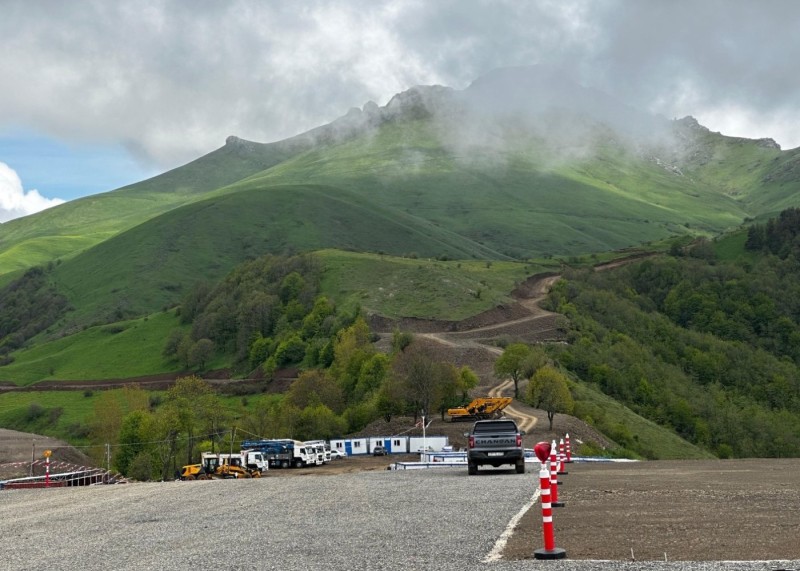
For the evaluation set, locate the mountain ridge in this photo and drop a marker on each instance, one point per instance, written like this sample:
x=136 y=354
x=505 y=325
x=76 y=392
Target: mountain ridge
x=447 y=173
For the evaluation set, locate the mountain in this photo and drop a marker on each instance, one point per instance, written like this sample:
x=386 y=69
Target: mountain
x=521 y=164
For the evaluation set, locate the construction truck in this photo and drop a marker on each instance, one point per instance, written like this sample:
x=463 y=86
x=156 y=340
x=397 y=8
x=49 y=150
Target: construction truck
x=283 y=453
x=322 y=450
x=481 y=408
x=255 y=460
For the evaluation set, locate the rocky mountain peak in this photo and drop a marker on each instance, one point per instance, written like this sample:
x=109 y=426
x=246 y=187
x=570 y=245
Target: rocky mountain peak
x=768 y=143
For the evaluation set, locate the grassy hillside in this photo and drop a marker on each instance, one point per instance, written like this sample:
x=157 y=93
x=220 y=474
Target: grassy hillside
x=152 y=265
x=420 y=179
x=513 y=198
x=629 y=430
x=65 y=230
x=379 y=284
x=402 y=287
x=120 y=350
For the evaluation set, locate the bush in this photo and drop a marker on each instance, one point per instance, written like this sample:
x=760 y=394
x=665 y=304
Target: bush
x=724 y=451
x=141 y=467
x=54 y=414
x=34 y=412
x=77 y=431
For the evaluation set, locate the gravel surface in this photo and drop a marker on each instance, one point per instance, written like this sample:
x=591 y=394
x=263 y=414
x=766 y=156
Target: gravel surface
x=421 y=519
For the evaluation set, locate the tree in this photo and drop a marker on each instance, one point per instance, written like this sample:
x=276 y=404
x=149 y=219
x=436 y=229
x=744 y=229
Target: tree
x=510 y=363
x=549 y=391
x=261 y=419
x=370 y=376
x=319 y=422
x=133 y=436
x=183 y=350
x=292 y=350
x=194 y=403
x=315 y=387
x=389 y=401
x=426 y=382
x=200 y=353
x=351 y=349
x=535 y=360
x=172 y=343
x=467 y=380
x=105 y=424
x=166 y=428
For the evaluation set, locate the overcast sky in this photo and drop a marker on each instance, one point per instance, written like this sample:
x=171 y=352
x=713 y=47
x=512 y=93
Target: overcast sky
x=98 y=94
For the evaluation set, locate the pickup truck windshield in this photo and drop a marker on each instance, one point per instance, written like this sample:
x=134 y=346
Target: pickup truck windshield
x=495 y=426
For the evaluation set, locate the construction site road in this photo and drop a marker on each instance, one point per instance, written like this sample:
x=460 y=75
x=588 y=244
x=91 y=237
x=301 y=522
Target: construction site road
x=438 y=519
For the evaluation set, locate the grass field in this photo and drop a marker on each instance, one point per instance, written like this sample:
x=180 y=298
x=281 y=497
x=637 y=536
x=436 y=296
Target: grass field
x=117 y=351
x=402 y=287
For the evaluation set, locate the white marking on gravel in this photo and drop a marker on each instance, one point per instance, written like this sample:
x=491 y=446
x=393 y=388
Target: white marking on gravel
x=497 y=551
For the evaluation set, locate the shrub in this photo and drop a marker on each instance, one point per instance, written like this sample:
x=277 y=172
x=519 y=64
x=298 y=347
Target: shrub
x=141 y=467
x=34 y=412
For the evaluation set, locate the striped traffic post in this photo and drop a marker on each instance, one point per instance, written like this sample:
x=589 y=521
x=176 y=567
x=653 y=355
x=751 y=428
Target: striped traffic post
x=550 y=551
x=562 y=457
x=569 y=450
x=47 y=468
x=554 y=477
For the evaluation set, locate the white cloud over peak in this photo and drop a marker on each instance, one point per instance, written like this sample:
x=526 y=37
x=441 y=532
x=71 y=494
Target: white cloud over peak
x=15 y=202
x=171 y=79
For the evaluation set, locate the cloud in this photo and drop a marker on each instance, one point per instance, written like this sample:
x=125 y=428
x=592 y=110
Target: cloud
x=172 y=79
x=15 y=202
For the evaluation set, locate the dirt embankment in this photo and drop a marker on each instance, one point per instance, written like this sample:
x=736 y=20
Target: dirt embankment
x=688 y=510
x=21 y=454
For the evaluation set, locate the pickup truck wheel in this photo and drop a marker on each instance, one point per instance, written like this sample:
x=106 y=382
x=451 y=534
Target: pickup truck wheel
x=472 y=469
x=521 y=467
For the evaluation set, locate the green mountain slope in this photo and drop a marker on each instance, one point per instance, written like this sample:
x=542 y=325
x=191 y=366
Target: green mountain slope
x=70 y=228
x=152 y=265
x=520 y=165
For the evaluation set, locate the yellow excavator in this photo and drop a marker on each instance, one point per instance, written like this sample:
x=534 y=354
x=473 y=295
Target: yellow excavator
x=480 y=408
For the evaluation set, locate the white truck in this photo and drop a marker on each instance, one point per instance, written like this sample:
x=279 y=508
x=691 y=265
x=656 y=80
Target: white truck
x=322 y=449
x=255 y=459
x=281 y=453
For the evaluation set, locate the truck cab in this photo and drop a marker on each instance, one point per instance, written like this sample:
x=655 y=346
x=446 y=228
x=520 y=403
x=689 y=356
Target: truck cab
x=255 y=460
x=494 y=443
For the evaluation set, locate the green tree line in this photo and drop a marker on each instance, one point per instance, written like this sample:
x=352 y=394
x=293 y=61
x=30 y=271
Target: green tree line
x=28 y=305
x=705 y=347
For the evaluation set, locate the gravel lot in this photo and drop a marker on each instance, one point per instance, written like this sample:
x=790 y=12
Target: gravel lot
x=422 y=519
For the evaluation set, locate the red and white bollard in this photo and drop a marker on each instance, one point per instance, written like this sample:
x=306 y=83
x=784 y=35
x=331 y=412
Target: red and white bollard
x=569 y=450
x=550 y=551
x=562 y=457
x=554 y=477
x=47 y=468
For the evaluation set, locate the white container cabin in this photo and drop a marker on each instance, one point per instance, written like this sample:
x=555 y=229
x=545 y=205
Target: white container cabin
x=432 y=443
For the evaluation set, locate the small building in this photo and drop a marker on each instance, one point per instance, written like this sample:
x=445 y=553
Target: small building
x=431 y=443
x=351 y=446
x=392 y=444
x=338 y=445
